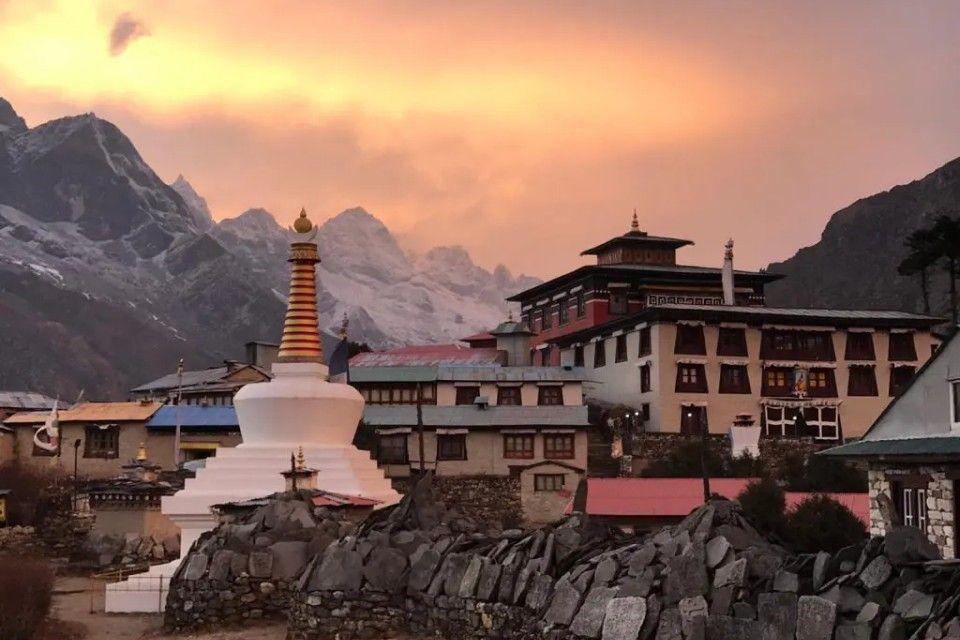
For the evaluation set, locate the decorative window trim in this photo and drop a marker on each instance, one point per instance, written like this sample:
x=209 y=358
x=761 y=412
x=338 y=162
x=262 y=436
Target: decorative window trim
x=905 y=363
x=901 y=330
x=510 y=384
x=518 y=432
x=735 y=362
x=396 y=431
x=703 y=361
x=451 y=431
x=466 y=384
x=860 y=330
x=691 y=323
x=734 y=325
x=802 y=364
x=793 y=327
x=546 y=383
x=558 y=431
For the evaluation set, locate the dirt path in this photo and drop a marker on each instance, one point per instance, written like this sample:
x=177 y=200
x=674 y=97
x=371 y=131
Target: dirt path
x=72 y=604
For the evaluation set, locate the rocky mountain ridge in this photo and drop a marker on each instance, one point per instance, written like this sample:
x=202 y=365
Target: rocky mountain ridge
x=108 y=274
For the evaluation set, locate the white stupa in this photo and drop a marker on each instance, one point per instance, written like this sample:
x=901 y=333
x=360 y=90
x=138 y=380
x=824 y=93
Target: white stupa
x=298 y=408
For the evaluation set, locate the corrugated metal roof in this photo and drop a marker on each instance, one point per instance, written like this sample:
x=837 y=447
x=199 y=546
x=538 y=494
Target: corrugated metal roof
x=845 y=314
x=24 y=400
x=510 y=374
x=471 y=416
x=676 y=497
x=929 y=446
x=92 y=412
x=195 y=417
x=200 y=377
x=392 y=374
x=426 y=355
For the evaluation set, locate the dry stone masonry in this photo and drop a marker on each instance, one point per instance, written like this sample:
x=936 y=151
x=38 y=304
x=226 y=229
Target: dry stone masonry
x=423 y=570
x=940 y=504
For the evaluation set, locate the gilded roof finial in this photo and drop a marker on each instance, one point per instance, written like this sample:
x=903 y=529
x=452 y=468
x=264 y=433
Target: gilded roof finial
x=142 y=453
x=635 y=223
x=302 y=224
x=301 y=336
x=301 y=459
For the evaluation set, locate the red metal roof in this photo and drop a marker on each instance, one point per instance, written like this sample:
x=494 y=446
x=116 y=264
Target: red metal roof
x=676 y=497
x=426 y=355
x=483 y=335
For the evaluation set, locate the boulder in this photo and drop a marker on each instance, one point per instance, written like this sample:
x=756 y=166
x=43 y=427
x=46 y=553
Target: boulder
x=487 y=583
x=716 y=551
x=220 y=565
x=640 y=558
x=289 y=559
x=239 y=564
x=875 y=574
x=563 y=605
x=908 y=544
x=196 y=566
x=652 y=620
x=690 y=609
x=786 y=581
x=670 y=626
x=687 y=578
x=340 y=570
x=471 y=577
x=821 y=566
x=539 y=591
x=892 y=628
x=913 y=605
x=422 y=571
x=589 y=619
x=385 y=569
x=261 y=564
x=732 y=574
x=606 y=571
x=870 y=613
x=727 y=628
x=778 y=610
x=624 y=618
x=853 y=631
x=815 y=618
x=744 y=610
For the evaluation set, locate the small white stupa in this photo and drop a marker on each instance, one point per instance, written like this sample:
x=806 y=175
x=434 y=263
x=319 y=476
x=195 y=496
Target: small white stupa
x=298 y=409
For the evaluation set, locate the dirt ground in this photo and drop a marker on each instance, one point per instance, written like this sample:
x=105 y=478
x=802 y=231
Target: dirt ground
x=73 y=599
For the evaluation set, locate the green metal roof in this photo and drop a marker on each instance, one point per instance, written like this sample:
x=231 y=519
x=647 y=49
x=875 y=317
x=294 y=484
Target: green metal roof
x=931 y=446
x=393 y=374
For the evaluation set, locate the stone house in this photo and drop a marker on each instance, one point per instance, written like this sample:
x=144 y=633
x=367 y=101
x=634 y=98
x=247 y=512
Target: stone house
x=546 y=488
x=913 y=454
x=203 y=430
x=214 y=386
x=817 y=373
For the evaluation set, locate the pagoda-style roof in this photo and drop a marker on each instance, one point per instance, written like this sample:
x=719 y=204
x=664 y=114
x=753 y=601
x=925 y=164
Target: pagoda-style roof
x=638 y=239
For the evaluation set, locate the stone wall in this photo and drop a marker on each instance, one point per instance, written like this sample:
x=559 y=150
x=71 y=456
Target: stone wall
x=940 y=507
x=494 y=500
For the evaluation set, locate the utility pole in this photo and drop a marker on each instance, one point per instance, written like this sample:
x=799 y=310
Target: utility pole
x=702 y=413
x=176 y=433
x=420 y=424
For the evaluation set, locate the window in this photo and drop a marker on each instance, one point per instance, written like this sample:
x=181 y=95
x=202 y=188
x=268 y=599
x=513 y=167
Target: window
x=392 y=449
x=775 y=423
x=821 y=383
x=621 y=351
x=645 y=412
x=732 y=342
x=548 y=482
x=690 y=340
x=508 y=396
x=558 y=447
x=779 y=344
x=466 y=395
x=812 y=422
x=548 y=396
x=862 y=382
x=545 y=355
x=910 y=498
x=691 y=378
x=645 y=347
x=618 y=303
x=859 y=346
x=519 y=446
x=397 y=394
x=955 y=402
x=902 y=347
x=645 y=378
x=578 y=355
x=599 y=353
x=102 y=442
x=581 y=306
x=900 y=378
x=451 y=447
x=777 y=381
x=547 y=318
x=563 y=312
x=734 y=379
x=693 y=420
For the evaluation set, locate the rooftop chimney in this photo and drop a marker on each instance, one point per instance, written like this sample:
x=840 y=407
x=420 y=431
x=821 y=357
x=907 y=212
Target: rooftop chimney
x=727 y=275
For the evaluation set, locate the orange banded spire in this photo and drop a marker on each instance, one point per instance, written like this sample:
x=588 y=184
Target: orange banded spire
x=301 y=334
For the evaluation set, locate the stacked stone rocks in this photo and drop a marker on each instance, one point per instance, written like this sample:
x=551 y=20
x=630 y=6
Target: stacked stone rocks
x=248 y=569
x=131 y=549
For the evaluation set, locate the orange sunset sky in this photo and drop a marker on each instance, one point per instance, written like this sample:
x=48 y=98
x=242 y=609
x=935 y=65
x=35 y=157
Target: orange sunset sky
x=525 y=131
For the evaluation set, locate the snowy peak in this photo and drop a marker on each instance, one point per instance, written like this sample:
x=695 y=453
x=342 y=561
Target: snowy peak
x=252 y=224
x=195 y=204
x=10 y=121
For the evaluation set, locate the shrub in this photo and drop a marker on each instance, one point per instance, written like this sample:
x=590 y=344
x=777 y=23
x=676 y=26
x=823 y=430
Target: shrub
x=818 y=473
x=764 y=506
x=25 y=593
x=820 y=523
x=684 y=462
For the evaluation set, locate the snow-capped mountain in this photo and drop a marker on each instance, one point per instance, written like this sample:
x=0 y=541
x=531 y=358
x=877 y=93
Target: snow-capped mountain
x=108 y=274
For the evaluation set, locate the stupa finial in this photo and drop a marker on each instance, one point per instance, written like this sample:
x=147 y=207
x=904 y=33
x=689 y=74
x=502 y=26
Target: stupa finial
x=635 y=223
x=301 y=459
x=142 y=453
x=301 y=334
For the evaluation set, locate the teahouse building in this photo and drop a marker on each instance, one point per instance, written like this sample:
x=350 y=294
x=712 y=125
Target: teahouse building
x=913 y=453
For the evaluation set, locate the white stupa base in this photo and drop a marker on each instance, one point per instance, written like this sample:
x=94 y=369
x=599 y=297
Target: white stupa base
x=301 y=409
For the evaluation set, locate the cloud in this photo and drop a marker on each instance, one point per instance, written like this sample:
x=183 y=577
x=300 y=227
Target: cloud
x=125 y=30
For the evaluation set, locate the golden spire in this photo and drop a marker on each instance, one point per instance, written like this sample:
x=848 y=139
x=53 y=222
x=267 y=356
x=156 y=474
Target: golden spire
x=142 y=453
x=301 y=459
x=635 y=224
x=301 y=336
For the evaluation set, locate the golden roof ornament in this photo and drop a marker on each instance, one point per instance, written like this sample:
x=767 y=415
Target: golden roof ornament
x=635 y=223
x=142 y=453
x=301 y=333
x=302 y=224
x=301 y=459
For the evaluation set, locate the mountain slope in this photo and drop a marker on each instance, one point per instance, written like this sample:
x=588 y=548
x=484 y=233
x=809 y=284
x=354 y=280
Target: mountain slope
x=148 y=276
x=854 y=265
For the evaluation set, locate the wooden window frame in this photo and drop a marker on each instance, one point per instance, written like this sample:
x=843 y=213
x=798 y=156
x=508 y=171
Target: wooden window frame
x=404 y=458
x=896 y=386
x=451 y=446
x=600 y=353
x=645 y=378
x=775 y=390
x=786 y=344
x=620 y=350
x=732 y=342
x=93 y=435
x=690 y=340
x=864 y=351
x=546 y=397
x=463 y=391
x=954 y=392
x=548 y=482
x=645 y=347
x=554 y=446
x=546 y=317
x=902 y=352
x=691 y=378
x=821 y=383
x=515 y=392
x=512 y=452
x=693 y=419
x=563 y=312
x=865 y=387
x=581 y=305
x=618 y=304
x=578 y=356
x=728 y=385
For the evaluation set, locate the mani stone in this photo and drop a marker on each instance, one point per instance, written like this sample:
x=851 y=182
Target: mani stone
x=820 y=565
x=455 y=571
x=341 y=570
x=539 y=592
x=732 y=574
x=606 y=571
x=289 y=559
x=624 y=618
x=779 y=610
x=220 y=565
x=870 y=613
x=566 y=601
x=196 y=567
x=508 y=576
x=671 y=625
x=470 y=577
x=892 y=628
x=260 y=564
x=239 y=564
x=589 y=620
x=786 y=581
x=385 y=568
x=815 y=618
x=687 y=578
x=716 y=550
x=875 y=574
x=640 y=559
x=487 y=584
x=691 y=608
x=421 y=573
x=913 y=605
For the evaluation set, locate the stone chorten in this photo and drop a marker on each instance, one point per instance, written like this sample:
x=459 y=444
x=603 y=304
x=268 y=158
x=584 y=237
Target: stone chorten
x=299 y=407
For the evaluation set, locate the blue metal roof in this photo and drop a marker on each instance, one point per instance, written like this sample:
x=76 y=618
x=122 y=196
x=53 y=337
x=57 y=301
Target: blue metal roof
x=194 y=417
